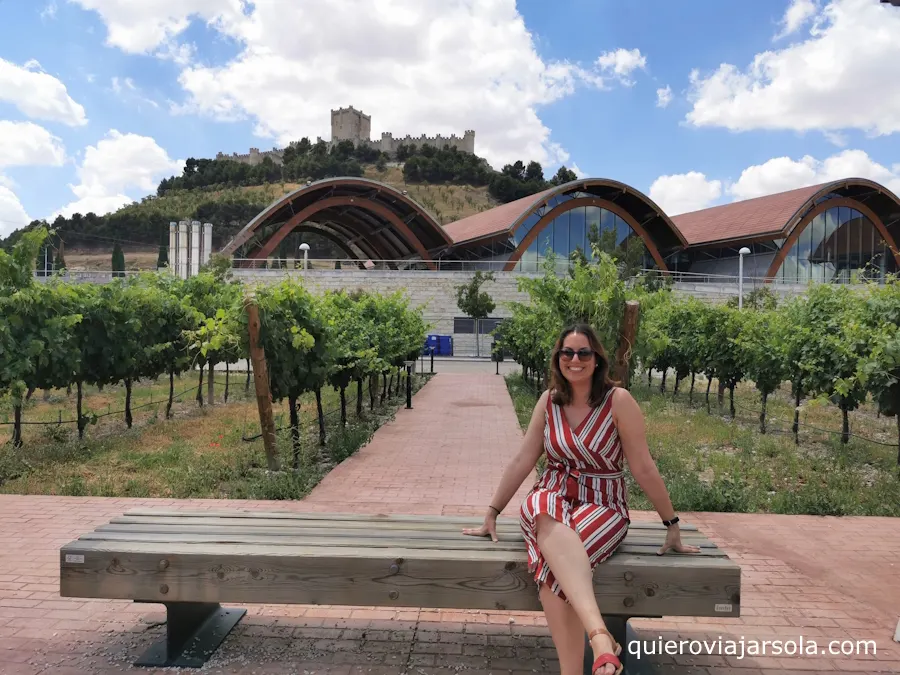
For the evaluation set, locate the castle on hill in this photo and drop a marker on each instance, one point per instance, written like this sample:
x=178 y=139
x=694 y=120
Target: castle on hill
x=349 y=124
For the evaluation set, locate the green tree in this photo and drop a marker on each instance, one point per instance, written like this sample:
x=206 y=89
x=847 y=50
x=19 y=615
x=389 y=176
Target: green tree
x=35 y=343
x=563 y=176
x=59 y=264
x=162 y=260
x=17 y=266
x=292 y=334
x=879 y=368
x=118 y=261
x=838 y=340
x=474 y=302
x=764 y=346
x=216 y=299
x=726 y=362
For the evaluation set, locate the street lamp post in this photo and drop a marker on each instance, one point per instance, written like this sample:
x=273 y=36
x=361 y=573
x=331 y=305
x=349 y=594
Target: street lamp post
x=744 y=251
x=305 y=248
x=409 y=369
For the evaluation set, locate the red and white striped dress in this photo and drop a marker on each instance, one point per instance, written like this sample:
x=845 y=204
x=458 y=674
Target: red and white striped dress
x=582 y=487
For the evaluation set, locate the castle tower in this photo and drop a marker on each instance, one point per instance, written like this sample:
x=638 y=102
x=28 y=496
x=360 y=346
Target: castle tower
x=469 y=141
x=349 y=124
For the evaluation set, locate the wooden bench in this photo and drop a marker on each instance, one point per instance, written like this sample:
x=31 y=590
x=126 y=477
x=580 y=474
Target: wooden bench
x=190 y=562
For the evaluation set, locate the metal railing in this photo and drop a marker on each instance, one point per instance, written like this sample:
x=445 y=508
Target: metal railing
x=278 y=266
x=352 y=264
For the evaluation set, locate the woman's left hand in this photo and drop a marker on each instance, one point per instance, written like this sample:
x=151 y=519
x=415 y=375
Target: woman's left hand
x=673 y=542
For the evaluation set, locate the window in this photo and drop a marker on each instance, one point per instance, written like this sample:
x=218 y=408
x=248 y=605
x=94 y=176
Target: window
x=464 y=325
x=576 y=228
x=837 y=246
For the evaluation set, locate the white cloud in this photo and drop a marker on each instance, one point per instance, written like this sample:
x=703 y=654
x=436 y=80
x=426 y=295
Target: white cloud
x=622 y=63
x=663 y=97
x=49 y=11
x=38 y=94
x=12 y=213
x=844 y=76
x=783 y=173
x=27 y=144
x=118 y=163
x=23 y=144
x=415 y=66
x=127 y=90
x=141 y=27
x=577 y=171
x=681 y=193
x=796 y=16
x=118 y=84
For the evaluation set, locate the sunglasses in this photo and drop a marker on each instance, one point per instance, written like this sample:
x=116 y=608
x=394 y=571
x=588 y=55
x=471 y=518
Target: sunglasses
x=567 y=354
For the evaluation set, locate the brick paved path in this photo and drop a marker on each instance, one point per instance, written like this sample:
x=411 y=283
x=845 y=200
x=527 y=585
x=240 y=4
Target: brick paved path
x=820 y=578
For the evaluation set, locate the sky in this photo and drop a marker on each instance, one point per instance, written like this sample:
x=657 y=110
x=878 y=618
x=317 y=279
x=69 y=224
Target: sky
x=694 y=102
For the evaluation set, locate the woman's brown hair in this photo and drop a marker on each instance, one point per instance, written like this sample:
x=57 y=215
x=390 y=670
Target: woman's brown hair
x=600 y=382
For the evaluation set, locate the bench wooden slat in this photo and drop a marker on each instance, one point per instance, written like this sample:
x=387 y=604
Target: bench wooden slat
x=671 y=585
x=460 y=544
x=637 y=536
x=373 y=519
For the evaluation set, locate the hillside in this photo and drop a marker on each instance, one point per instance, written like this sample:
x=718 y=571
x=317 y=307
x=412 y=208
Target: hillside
x=449 y=184
x=445 y=202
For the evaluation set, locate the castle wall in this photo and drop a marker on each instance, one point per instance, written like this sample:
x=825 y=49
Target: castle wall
x=389 y=144
x=349 y=124
x=254 y=157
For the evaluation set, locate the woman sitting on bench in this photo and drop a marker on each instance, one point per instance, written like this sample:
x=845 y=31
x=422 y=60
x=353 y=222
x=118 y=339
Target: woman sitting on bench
x=576 y=515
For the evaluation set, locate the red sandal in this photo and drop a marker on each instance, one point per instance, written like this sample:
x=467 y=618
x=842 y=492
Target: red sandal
x=604 y=659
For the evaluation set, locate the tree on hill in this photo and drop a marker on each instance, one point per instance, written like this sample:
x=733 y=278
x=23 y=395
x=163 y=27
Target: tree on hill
x=563 y=176
x=118 y=261
x=162 y=260
x=60 y=263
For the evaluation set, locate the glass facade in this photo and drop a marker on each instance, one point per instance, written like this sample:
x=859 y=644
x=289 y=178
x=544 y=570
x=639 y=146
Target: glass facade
x=572 y=230
x=840 y=245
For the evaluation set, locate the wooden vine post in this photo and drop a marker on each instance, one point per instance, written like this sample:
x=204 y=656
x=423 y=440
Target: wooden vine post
x=627 y=336
x=261 y=380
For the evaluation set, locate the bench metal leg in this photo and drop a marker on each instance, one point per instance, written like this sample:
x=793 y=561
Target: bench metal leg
x=617 y=625
x=194 y=630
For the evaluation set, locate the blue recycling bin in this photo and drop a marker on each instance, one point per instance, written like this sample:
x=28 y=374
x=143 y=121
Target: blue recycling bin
x=446 y=342
x=432 y=342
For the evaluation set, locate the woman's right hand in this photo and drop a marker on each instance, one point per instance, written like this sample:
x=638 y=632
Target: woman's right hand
x=489 y=527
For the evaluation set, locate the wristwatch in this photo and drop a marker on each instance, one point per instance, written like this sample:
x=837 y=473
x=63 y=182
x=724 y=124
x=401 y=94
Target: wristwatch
x=669 y=523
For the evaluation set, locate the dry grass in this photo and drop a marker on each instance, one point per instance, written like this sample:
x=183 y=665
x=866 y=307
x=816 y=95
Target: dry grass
x=712 y=463
x=446 y=203
x=78 y=260
x=202 y=452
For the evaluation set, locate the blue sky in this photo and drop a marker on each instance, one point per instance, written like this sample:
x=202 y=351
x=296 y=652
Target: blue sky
x=99 y=99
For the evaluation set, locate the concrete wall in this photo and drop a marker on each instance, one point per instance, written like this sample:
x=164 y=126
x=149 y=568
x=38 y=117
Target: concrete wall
x=436 y=293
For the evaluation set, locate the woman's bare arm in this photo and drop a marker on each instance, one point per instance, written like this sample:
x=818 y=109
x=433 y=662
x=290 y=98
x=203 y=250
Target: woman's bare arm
x=629 y=421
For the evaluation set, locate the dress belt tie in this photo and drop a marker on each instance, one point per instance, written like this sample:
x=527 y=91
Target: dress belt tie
x=590 y=474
